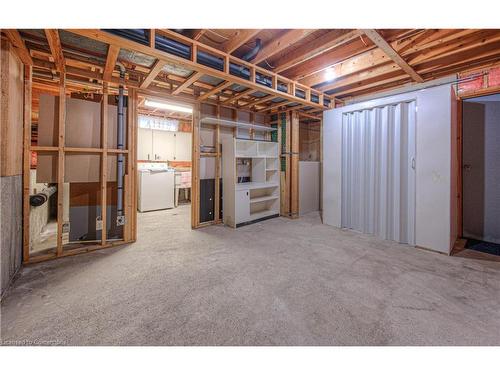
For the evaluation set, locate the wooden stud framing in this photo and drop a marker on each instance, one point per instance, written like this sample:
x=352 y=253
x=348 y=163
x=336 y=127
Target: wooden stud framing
x=195 y=168
x=113 y=52
x=217 y=170
x=294 y=165
x=192 y=63
x=214 y=91
x=104 y=166
x=28 y=75
x=56 y=49
x=287 y=160
x=19 y=46
x=60 y=163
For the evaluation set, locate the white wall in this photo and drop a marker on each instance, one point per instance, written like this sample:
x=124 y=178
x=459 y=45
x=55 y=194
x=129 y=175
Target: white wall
x=433 y=163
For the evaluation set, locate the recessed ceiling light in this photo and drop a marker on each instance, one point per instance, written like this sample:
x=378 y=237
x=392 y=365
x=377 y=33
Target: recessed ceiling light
x=171 y=107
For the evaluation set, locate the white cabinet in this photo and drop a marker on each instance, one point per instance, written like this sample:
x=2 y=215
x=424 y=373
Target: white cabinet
x=242 y=203
x=161 y=145
x=250 y=177
x=145 y=144
x=183 y=146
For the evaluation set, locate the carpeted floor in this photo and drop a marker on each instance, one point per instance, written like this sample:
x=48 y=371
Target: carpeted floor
x=279 y=282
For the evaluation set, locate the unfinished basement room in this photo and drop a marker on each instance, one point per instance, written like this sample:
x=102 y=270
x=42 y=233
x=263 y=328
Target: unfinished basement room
x=250 y=187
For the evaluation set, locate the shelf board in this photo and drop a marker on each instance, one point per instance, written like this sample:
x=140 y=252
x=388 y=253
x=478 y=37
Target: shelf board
x=263 y=199
x=235 y=124
x=261 y=214
x=271 y=170
x=255 y=185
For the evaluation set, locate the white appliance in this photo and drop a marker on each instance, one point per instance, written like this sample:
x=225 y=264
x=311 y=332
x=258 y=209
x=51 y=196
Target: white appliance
x=156 y=186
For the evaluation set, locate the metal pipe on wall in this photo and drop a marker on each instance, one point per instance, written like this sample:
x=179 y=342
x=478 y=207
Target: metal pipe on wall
x=120 y=218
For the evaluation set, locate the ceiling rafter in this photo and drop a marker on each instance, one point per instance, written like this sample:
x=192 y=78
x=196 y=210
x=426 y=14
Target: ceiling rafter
x=194 y=77
x=243 y=36
x=19 y=46
x=387 y=48
x=155 y=70
x=198 y=33
x=240 y=95
x=215 y=90
x=111 y=59
x=259 y=101
x=56 y=49
x=277 y=45
x=318 y=46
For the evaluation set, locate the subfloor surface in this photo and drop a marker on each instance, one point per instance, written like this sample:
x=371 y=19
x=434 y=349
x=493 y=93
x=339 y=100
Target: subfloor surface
x=278 y=282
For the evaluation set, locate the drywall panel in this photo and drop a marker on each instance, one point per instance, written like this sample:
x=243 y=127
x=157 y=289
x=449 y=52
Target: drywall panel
x=309 y=180
x=433 y=163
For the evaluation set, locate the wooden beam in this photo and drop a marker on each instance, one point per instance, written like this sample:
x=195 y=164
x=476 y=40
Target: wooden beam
x=104 y=166
x=236 y=97
x=243 y=36
x=60 y=163
x=195 y=168
x=198 y=33
x=56 y=49
x=108 y=38
x=28 y=76
x=259 y=101
x=152 y=35
x=294 y=165
x=113 y=52
x=277 y=105
x=19 y=46
x=277 y=45
x=386 y=47
x=194 y=77
x=155 y=70
x=318 y=46
x=215 y=90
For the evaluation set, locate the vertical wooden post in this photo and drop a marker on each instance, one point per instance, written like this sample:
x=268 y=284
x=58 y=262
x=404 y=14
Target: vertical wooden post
x=28 y=73
x=287 y=161
x=195 y=170
x=104 y=165
x=60 y=162
x=130 y=166
x=152 y=34
x=217 y=170
x=132 y=154
x=294 y=161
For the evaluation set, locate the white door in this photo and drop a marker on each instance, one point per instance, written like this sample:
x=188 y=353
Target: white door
x=145 y=144
x=182 y=146
x=242 y=206
x=163 y=145
x=378 y=171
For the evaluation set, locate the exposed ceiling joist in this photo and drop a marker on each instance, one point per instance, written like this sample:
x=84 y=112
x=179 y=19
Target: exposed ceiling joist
x=187 y=83
x=308 y=51
x=243 y=36
x=55 y=48
x=113 y=52
x=196 y=34
x=215 y=90
x=19 y=46
x=240 y=95
x=259 y=101
x=155 y=70
x=277 y=45
x=386 y=47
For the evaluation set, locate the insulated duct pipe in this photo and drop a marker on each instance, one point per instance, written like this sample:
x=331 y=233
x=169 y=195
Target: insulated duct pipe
x=182 y=50
x=37 y=200
x=120 y=218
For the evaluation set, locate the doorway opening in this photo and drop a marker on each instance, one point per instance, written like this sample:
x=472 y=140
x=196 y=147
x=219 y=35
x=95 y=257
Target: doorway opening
x=481 y=173
x=164 y=163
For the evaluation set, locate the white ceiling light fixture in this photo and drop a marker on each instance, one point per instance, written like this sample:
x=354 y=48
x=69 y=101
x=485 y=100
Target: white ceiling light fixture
x=329 y=74
x=170 y=107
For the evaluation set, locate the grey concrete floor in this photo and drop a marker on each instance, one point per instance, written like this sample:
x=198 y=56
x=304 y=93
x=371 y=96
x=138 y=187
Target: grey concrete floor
x=279 y=282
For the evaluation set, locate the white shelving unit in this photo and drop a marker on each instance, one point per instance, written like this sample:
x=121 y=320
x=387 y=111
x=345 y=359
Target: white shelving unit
x=251 y=184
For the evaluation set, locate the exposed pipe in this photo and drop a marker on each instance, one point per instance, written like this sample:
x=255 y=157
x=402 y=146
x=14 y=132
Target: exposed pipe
x=250 y=55
x=120 y=218
x=179 y=49
x=38 y=199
